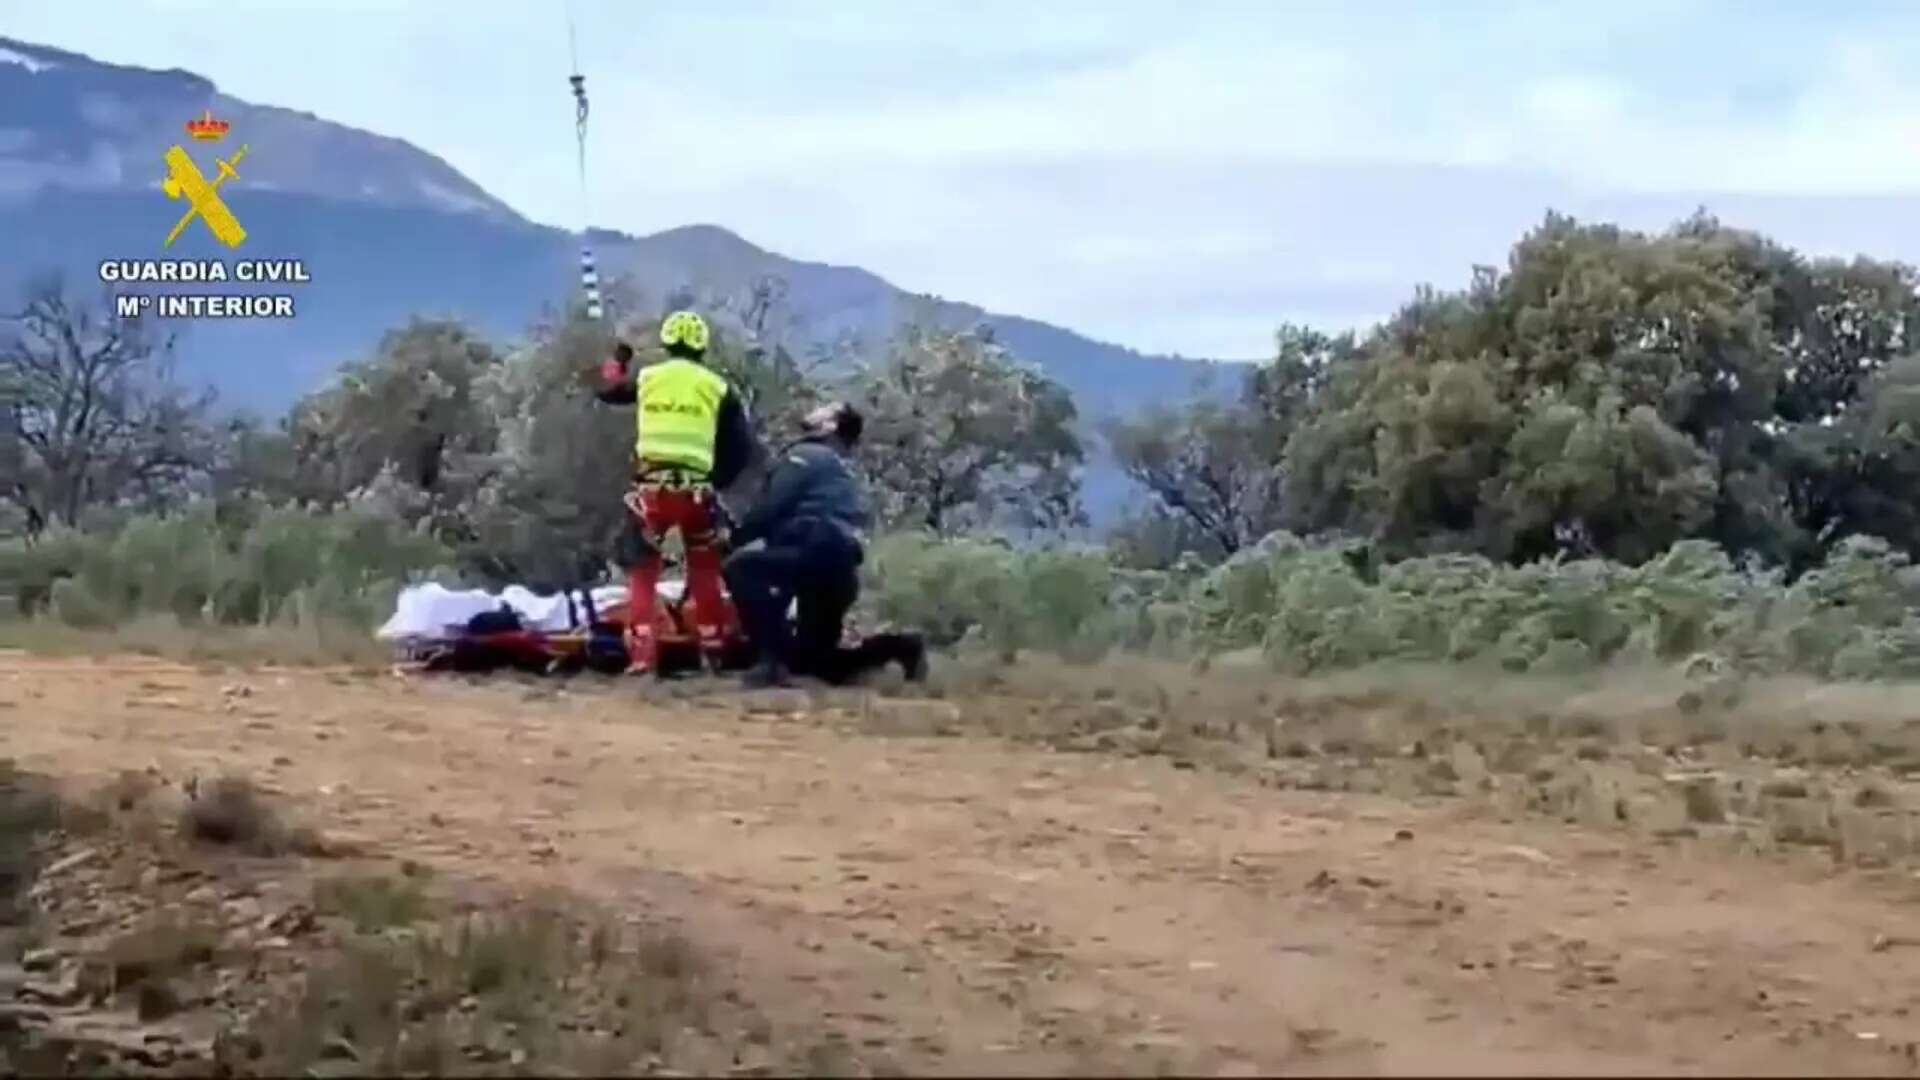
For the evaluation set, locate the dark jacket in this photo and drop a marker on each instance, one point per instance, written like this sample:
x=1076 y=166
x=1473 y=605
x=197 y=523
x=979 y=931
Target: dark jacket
x=811 y=486
x=733 y=441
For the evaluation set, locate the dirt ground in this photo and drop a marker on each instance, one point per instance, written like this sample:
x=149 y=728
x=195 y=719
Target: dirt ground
x=965 y=905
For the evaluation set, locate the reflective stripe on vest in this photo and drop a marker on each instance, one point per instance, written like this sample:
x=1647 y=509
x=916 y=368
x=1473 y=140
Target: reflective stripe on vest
x=678 y=413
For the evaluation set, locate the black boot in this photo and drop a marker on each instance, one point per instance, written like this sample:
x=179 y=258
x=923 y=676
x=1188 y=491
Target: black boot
x=768 y=673
x=913 y=660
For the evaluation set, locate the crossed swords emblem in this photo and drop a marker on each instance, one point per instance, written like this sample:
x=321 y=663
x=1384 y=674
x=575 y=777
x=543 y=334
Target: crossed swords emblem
x=184 y=180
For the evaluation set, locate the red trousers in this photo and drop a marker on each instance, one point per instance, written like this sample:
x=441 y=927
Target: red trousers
x=659 y=510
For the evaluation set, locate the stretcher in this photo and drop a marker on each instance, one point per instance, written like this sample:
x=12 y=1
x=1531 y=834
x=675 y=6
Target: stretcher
x=436 y=629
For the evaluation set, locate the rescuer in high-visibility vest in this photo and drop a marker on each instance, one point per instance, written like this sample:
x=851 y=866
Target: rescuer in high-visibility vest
x=693 y=438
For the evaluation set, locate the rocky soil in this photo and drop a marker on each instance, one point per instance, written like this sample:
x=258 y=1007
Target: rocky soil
x=502 y=876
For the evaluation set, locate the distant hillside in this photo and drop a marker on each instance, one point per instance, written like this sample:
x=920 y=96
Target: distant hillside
x=389 y=230
x=70 y=122
x=834 y=303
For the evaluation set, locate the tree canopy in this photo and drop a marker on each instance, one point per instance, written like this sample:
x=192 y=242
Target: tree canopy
x=1609 y=393
x=1606 y=393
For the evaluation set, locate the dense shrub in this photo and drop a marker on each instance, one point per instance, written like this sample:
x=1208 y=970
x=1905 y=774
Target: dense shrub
x=1312 y=608
x=1306 y=607
x=1052 y=598
x=255 y=566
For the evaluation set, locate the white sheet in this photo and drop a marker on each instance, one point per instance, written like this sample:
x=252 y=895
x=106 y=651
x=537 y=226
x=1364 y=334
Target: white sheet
x=437 y=613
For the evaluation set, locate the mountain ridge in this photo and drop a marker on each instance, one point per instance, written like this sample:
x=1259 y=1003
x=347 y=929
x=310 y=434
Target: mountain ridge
x=67 y=120
x=389 y=230
x=69 y=127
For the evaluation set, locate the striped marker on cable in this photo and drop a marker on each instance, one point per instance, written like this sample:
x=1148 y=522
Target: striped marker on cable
x=590 y=281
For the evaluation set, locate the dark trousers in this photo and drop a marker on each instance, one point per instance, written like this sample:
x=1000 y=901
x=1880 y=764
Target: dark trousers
x=818 y=570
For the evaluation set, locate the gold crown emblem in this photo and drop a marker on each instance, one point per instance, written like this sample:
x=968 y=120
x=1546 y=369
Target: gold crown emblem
x=207 y=129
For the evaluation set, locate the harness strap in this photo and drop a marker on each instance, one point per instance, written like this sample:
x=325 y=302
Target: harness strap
x=671 y=478
x=635 y=502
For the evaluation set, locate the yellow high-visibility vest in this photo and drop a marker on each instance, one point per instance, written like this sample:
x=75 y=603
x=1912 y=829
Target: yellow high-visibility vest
x=677 y=409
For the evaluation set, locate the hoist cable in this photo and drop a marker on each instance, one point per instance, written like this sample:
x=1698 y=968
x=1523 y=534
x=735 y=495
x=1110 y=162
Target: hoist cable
x=589 y=276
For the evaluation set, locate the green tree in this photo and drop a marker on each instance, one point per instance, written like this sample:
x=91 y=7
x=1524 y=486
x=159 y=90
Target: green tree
x=553 y=511
x=961 y=434
x=1216 y=466
x=1405 y=436
x=409 y=415
x=1840 y=326
x=1207 y=463
x=1607 y=393
x=1154 y=538
x=1858 y=473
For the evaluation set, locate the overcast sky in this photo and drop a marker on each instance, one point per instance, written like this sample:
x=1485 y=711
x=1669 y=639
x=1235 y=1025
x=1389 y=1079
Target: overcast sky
x=1171 y=176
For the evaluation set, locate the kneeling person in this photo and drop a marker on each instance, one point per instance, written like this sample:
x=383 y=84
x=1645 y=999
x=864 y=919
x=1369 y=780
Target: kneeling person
x=813 y=517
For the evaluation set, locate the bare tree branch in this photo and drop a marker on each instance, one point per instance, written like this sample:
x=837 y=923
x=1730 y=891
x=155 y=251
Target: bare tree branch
x=92 y=416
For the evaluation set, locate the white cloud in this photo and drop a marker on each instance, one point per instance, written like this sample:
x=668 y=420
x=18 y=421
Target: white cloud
x=1175 y=177
x=1855 y=125
x=1573 y=103
x=18 y=59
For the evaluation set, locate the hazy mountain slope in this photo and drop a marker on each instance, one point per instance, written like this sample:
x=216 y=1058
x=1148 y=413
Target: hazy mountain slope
x=834 y=303
x=71 y=122
x=374 y=266
x=389 y=231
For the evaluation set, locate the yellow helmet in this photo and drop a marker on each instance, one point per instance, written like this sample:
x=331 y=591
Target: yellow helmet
x=686 y=329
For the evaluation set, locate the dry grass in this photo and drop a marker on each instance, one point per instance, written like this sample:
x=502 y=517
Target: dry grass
x=1753 y=764
x=385 y=973
x=147 y=966
x=28 y=810
x=31 y=809
x=372 y=903
x=531 y=989
x=1655 y=705
x=230 y=812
